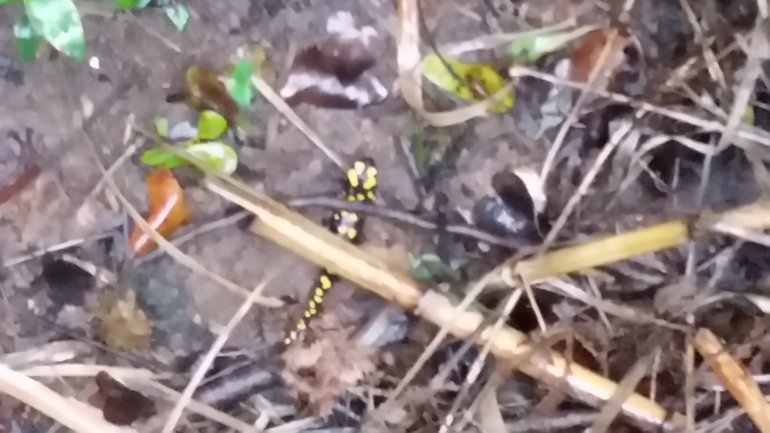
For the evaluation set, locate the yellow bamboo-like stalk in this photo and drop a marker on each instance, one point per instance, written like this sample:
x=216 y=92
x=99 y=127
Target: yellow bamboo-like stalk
x=735 y=378
x=293 y=231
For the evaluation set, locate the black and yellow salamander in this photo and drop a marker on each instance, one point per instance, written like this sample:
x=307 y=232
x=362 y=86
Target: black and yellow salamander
x=360 y=185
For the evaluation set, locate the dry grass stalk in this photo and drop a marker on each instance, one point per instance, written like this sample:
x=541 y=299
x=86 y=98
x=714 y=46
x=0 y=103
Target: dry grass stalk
x=208 y=359
x=302 y=236
x=735 y=378
x=68 y=412
x=85 y=370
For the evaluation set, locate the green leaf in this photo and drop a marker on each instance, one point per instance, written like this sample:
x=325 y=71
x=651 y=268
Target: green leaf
x=748 y=115
x=530 y=48
x=476 y=81
x=429 y=268
x=132 y=4
x=418 y=146
x=27 y=39
x=59 y=23
x=239 y=85
x=161 y=126
x=219 y=155
x=211 y=125
x=158 y=156
x=178 y=15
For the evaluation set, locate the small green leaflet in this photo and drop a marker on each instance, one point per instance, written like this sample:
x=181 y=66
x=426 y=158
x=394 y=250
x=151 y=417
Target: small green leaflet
x=132 y=4
x=429 y=268
x=158 y=156
x=161 y=126
x=210 y=125
x=530 y=48
x=748 y=115
x=178 y=15
x=217 y=154
x=59 y=23
x=239 y=85
x=27 y=39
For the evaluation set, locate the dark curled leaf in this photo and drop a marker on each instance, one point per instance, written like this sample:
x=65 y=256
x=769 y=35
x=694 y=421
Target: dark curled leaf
x=68 y=282
x=120 y=405
x=511 y=212
x=335 y=73
x=513 y=191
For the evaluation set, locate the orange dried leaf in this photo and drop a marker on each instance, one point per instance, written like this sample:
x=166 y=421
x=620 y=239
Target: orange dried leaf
x=167 y=210
x=590 y=52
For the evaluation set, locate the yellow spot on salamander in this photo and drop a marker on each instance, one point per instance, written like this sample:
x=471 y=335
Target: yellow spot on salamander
x=318 y=292
x=359 y=167
x=318 y=299
x=370 y=195
x=326 y=283
x=371 y=179
x=353 y=178
x=352 y=197
x=360 y=197
x=352 y=233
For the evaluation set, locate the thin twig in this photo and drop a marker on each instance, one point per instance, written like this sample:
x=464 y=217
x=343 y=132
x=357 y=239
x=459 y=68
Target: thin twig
x=54 y=248
x=265 y=90
x=176 y=413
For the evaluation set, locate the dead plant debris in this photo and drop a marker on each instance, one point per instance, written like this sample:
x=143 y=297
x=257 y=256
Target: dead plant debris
x=570 y=230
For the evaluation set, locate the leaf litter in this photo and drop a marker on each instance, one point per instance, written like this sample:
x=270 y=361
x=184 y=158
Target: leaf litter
x=615 y=314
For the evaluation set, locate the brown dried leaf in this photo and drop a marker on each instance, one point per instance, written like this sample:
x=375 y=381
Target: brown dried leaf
x=334 y=73
x=590 y=54
x=319 y=372
x=120 y=405
x=122 y=323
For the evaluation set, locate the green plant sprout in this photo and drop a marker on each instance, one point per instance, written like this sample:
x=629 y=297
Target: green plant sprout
x=204 y=145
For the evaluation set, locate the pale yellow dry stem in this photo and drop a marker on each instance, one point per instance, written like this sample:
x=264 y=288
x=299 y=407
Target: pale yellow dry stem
x=70 y=413
x=625 y=388
x=208 y=359
x=265 y=90
x=302 y=236
x=154 y=389
x=735 y=378
x=295 y=232
x=57 y=351
x=85 y=370
x=600 y=252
